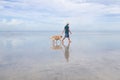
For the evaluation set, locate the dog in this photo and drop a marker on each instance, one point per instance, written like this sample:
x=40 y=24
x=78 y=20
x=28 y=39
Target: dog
x=56 y=37
x=55 y=44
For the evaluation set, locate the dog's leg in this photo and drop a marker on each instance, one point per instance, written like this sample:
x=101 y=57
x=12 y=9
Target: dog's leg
x=56 y=42
x=60 y=41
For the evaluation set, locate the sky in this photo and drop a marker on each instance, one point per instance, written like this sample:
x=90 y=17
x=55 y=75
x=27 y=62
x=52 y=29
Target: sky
x=50 y=15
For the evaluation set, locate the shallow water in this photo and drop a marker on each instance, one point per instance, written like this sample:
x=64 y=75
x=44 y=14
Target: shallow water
x=33 y=56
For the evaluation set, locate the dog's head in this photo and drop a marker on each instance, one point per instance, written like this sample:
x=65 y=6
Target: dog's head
x=60 y=36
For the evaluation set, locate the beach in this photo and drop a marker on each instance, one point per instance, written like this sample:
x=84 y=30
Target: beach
x=33 y=56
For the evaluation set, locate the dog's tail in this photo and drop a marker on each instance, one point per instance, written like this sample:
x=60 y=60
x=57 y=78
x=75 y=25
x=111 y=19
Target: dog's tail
x=51 y=38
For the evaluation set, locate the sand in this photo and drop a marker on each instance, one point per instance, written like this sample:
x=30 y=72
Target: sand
x=32 y=56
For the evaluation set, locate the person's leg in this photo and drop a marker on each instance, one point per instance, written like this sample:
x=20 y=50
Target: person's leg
x=63 y=39
x=69 y=40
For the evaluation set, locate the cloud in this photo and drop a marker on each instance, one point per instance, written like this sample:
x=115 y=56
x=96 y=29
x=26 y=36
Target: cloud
x=35 y=13
x=12 y=22
x=56 y=8
x=1 y=7
x=107 y=2
x=114 y=9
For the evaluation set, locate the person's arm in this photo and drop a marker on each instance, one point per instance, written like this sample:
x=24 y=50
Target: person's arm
x=70 y=31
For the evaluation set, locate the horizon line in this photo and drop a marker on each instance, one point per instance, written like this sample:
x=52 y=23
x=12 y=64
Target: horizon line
x=61 y=31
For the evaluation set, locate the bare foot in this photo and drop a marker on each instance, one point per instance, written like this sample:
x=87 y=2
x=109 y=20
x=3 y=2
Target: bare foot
x=62 y=41
x=70 y=41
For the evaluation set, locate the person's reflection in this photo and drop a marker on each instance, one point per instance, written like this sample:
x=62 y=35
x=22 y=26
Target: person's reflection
x=56 y=46
x=66 y=51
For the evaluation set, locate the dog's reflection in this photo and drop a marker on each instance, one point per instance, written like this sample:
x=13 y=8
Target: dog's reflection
x=63 y=47
x=56 y=46
x=66 y=51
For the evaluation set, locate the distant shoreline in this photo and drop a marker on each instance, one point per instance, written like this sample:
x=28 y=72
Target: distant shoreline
x=61 y=31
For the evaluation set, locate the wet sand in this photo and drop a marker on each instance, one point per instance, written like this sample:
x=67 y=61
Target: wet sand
x=33 y=56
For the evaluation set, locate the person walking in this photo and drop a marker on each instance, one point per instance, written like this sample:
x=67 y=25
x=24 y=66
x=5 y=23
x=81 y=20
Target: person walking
x=66 y=31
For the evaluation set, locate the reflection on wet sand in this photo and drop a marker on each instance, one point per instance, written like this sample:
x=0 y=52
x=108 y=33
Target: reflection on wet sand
x=28 y=56
x=56 y=46
x=62 y=46
x=66 y=51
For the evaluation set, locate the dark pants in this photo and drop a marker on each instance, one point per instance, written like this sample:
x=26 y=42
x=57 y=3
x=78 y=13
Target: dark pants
x=66 y=35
